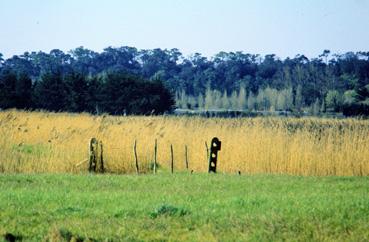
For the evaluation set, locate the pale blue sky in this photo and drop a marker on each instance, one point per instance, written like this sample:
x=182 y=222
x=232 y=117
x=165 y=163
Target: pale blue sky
x=283 y=27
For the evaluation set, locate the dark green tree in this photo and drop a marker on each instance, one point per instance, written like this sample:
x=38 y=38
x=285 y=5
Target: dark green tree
x=8 y=80
x=51 y=92
x=94 y=94
x=76 y=92
x=126 y=94
x=23 y=92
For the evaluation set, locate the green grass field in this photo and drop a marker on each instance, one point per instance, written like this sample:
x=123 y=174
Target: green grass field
x=184 y=207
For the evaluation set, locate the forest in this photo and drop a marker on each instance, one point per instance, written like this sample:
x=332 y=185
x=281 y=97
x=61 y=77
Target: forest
x=126 y=80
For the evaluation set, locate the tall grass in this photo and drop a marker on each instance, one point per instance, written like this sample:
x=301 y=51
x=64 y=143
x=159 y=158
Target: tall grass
x=49 y=142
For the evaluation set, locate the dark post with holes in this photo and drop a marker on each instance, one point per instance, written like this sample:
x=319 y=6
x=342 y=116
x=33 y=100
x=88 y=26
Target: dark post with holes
x=214 y=148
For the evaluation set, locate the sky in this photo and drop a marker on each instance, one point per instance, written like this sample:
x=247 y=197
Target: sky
x=282 y=27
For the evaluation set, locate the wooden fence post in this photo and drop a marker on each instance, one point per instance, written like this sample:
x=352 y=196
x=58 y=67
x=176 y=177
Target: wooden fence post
x=100 y=166
x=207 y=151
x=96 y=159
x=172 y=158
x=155 y=155
x=136 y=159
x=186 y=157
x=92 y=161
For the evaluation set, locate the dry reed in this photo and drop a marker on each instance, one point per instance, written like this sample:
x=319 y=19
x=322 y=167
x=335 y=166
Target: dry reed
x=55 y=142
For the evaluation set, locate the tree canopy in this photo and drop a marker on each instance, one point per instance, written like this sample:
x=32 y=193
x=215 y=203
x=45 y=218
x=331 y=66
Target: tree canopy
x=85 y=80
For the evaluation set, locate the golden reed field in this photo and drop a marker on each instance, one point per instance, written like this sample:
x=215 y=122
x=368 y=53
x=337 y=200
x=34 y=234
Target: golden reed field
x=32 y=142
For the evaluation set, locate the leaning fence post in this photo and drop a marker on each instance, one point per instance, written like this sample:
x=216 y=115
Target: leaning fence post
x=186 y=157
x=215 y=147
x=207 y=150
x=136 y=159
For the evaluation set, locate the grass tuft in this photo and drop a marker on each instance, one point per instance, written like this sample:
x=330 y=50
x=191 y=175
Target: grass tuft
x=169 y=210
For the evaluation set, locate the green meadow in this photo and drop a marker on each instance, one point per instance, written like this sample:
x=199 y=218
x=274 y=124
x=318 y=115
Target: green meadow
x=183 y=207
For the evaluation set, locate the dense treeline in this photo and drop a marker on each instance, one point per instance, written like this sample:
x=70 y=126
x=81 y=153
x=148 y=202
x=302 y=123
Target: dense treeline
x=112 y=92
x=233 y=80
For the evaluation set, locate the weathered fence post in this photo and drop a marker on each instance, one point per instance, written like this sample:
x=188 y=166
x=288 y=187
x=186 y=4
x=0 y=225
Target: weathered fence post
x=172 y=159
x=215 y=147
x=136 y=159
x=155 y=155
x=207 y=150
x=96 y=160
x=100 y=164
x=186 y=157
x=93 y=154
